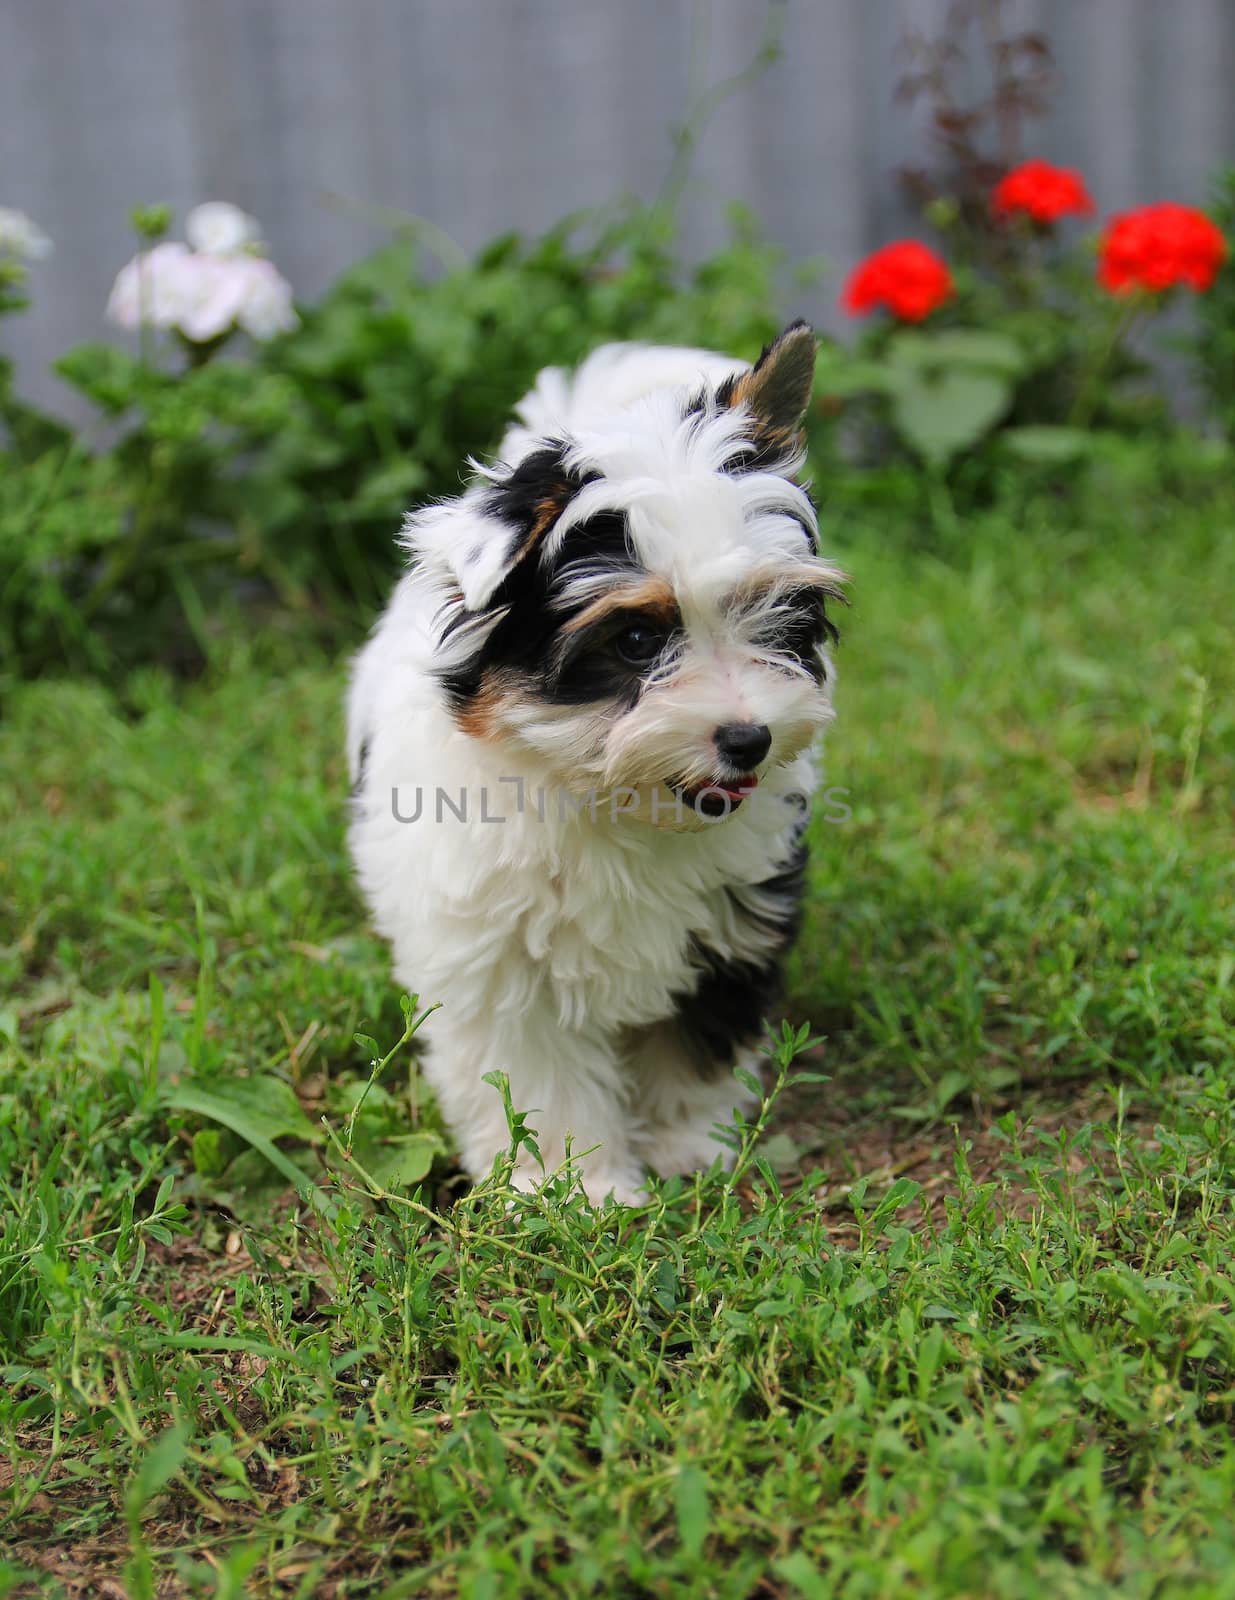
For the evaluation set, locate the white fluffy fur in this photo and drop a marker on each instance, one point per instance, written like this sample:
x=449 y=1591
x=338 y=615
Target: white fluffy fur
x=557 y=942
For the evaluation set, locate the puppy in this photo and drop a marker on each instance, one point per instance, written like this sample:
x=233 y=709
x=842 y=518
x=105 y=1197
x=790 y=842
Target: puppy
x=581 y=742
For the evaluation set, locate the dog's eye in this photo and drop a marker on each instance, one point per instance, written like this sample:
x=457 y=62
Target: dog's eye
x=639 y=644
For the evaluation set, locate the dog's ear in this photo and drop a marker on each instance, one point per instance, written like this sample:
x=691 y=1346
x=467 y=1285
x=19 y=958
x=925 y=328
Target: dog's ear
x=777 y=388
x=481 y=537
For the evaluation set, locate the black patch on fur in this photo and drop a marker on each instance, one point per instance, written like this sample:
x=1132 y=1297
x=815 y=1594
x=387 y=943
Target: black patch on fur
x=804 y=627
x=520 y=497
x=798 y=628
x=528 y=639
x=725 y=389
x=589 y=669
x=726 y=1010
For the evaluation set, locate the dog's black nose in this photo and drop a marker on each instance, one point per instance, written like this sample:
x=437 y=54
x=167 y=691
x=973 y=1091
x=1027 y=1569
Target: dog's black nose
x=743 y=744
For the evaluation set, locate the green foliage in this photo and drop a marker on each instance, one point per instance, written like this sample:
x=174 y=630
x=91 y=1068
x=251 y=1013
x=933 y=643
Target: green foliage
x=401 y=377
x=1030 y=362
x=284 y=477
x=24 y=432
x=115 y=557
x=1212 y=350
x=275 y=484
x=947 y=390
x=793 y=1383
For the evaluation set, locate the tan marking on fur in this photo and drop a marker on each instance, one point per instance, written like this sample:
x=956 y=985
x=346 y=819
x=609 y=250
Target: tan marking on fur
x=776 y=391
x=479 y=717
x=654 y=596
x=548 y=511
x=784 y=441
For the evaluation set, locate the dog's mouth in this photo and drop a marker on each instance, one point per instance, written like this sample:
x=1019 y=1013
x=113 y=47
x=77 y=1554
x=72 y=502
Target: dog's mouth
x=719 y=799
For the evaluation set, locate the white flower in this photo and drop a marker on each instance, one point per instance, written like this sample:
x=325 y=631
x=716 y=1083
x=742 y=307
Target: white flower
x=219 y=229
x=267 y=307
x=202 y=296
x=20 y=237
x=237 y=291
x=155 y=288
x=220 y=285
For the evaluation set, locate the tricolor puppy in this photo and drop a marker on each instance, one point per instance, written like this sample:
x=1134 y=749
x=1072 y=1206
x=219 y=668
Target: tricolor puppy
x=581 y=743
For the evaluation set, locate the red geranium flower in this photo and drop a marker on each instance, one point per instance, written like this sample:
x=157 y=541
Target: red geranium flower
x=1041 y=191
x=906 y=277
x=1156 y=247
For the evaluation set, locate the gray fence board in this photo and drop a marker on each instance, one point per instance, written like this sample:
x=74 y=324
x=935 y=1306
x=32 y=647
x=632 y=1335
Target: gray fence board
x=484 y=115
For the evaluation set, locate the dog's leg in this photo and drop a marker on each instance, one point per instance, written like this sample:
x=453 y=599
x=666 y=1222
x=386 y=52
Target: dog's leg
x=675 y=1109
x=570 y=1085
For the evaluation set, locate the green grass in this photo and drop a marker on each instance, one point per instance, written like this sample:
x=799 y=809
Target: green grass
x=962 y=1324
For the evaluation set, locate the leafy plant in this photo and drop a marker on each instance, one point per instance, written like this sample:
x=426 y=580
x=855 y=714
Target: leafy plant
x=274 y=484
x=1212 y=348
x=282 y=478
x=1030 y=358
x=24 y=431
x=401 y=377
x=114 y=557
